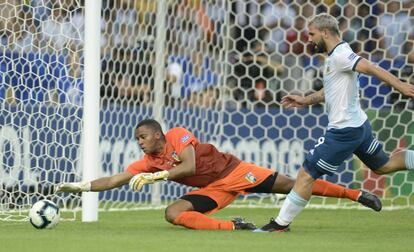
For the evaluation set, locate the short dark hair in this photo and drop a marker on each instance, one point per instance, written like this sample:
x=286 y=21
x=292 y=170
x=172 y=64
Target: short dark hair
x=153 y=124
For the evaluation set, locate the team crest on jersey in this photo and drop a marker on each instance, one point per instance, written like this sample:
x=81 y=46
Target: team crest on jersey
x=327 y=69
x=250 y=177
x=185 y=138
x=175 y=156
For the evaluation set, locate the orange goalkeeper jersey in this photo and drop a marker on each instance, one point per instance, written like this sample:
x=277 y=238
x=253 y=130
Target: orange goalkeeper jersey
x=211 y=164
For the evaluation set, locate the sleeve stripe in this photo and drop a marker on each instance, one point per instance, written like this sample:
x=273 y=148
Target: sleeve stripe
x=356 y=62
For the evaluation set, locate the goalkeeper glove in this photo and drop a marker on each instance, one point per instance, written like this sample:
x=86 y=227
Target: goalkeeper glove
x=139 y=180
x=74 y=187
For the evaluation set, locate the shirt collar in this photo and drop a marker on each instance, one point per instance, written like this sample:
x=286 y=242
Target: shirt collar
x=340 y=43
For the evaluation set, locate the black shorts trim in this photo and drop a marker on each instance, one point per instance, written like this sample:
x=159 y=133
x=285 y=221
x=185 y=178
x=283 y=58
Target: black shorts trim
x=201 y=203
x=264 y=187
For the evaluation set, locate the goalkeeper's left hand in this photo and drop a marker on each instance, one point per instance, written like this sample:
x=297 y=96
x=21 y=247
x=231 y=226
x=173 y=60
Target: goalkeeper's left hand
x=139 y=180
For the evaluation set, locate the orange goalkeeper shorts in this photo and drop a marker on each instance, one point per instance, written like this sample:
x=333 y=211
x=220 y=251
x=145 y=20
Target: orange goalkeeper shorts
x=227 y=189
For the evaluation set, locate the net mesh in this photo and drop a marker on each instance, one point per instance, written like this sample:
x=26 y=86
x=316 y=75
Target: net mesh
x=218 y=68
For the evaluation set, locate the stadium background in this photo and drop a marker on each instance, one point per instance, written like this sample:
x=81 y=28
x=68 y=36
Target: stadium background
x=225 y=66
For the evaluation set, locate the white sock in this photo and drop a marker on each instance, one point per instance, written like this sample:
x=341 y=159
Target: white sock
x=409 y=159
x=292 y=206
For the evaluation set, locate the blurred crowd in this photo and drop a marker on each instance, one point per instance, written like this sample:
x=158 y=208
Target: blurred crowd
x=237 y=54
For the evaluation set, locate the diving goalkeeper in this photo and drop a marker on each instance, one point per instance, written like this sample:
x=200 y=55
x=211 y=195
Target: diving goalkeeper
x=220 y=177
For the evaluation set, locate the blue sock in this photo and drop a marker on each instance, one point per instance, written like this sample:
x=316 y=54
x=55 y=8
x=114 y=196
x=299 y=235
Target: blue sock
x=409 y=159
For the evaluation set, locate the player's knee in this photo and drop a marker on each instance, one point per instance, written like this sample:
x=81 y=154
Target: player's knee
x=283 y=184
x=171 y=214
x=287 y=187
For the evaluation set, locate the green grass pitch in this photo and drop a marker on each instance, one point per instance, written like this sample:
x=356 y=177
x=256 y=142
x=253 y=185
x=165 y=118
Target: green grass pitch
x=314 y=230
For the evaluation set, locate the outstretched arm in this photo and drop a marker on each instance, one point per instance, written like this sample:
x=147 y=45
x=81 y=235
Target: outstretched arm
x=97 y=185
x=111 y=182
x=187 y=167
x=296 y=101
x=366 y=67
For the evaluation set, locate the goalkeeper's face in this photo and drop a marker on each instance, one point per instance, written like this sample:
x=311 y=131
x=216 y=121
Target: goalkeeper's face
x=149 y=140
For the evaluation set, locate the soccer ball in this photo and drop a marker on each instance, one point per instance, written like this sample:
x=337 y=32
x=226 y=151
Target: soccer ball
x=44 y=214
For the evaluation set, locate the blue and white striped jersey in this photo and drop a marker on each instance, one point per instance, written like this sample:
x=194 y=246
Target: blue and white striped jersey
x=341 y=88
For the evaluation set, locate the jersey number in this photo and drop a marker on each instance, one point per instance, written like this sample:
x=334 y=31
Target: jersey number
x=321 y=140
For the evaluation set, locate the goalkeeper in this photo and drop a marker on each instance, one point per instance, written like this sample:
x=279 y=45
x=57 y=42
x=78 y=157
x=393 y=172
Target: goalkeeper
x=220 y=177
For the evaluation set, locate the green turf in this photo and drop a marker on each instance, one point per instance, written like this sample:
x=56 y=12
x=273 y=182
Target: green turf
x=314 y=230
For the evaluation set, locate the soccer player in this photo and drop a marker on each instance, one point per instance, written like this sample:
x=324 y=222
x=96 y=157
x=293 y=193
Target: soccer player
x=348 y=131
x=221 y=177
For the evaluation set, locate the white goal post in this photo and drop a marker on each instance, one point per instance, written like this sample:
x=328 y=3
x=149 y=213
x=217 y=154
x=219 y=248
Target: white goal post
x=91 y=159
x=216 y=67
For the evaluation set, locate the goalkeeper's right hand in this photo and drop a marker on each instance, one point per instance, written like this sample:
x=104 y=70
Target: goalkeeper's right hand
x=74 y=187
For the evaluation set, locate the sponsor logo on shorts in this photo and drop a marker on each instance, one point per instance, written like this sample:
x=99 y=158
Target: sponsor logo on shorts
x=185 y=138
x=250 y=177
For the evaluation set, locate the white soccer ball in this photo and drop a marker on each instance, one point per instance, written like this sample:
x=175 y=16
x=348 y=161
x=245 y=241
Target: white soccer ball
x=44 y=214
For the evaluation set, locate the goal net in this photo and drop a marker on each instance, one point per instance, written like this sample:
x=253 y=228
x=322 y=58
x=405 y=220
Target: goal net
x=218 y=68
